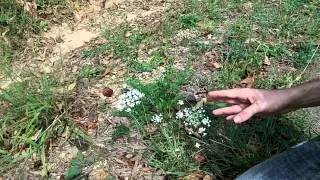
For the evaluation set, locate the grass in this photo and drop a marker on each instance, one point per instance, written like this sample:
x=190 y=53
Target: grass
x=284 y=31
x=250 y=35
x=29 y=121
x=30 y=117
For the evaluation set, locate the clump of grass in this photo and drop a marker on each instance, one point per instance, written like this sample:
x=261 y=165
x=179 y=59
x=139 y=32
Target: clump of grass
x=30 y=119
x=17 y=23
x=120 y=131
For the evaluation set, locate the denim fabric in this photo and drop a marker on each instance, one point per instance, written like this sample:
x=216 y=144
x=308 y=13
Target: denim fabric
x=299 y=162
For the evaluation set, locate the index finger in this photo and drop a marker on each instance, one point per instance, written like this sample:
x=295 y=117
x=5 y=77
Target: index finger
x=231 y=93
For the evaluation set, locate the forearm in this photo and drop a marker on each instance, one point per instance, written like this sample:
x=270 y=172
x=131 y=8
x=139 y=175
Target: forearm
x=305 y=95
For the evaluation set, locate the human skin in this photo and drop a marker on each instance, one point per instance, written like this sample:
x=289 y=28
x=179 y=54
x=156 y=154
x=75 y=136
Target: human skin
x=245 y=102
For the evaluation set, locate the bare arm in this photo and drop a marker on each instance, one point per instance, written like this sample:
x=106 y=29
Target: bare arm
x=306 y=95
x=245 y=103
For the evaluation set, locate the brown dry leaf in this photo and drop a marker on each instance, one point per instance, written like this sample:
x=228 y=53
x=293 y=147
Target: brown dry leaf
x=216 y=40
x=119 y=120
x=193 y=176
x=107 y=70
x=71 y=86
x=212 y=60
x=31 y=8
x=248 y=82
x=138 y=146
x=207 y=177
x=85 y=124
x=99 y=174
x=266 y=61
x=151 y=128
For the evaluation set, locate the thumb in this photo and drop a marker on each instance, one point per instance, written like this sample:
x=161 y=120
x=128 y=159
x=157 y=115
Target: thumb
x=247 y=113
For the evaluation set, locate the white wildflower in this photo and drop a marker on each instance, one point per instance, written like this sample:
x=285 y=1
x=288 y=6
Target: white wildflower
x=197 y=145
x=195 y=120
x=201 y=130
x=204 y=134
x=157 y=118
x=179 y=115
x=206 y=121
x=180 y=102
x=129 y=99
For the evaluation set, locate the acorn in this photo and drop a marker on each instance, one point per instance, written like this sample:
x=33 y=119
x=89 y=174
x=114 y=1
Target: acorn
x=107 y=92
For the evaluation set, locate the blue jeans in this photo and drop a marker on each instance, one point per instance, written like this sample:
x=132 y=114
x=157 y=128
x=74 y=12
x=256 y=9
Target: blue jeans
x=299 y=162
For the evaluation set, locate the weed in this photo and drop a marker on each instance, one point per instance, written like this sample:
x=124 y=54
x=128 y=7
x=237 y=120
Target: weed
x=77 y=164
x=29 y=120
x=120 y=131
x=89 y=72
x=44 y=26
x=159 y=98
x=17 y=24
x=189 y=20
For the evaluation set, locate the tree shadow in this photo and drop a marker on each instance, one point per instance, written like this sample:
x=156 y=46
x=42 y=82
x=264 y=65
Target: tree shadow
x=232 y=148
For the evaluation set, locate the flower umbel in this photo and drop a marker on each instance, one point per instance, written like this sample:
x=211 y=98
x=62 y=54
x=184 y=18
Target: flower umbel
x=157 y=118
x=129 y=99
x=180 y=102
x=195 y=120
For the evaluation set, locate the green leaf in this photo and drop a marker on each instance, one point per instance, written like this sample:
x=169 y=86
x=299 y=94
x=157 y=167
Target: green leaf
x=73 y=172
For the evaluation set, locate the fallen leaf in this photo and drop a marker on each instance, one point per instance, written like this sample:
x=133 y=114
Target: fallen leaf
x=192 y=176
x=128 y=34
x=71 y=86
x=212 y=60
x=85 y=124
x=99 y=174
x=201 y=103
x=102 y=4
x=207 y=177
x=119 y=121
x=31 y=8
x=138 y=146
x=216 y=40
x=151 y=128
x=36 y=135
x=248 y=82
x=107 y=70
x=266 y=61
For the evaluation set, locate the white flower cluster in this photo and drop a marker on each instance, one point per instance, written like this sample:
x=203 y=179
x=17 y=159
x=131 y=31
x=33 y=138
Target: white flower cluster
x=157 y=118
x=129 y=99
x=195 y=120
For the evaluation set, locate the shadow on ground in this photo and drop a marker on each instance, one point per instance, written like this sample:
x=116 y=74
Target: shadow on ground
x=235 y=148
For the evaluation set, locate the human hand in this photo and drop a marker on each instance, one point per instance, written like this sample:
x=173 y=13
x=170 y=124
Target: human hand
x=246 y=103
